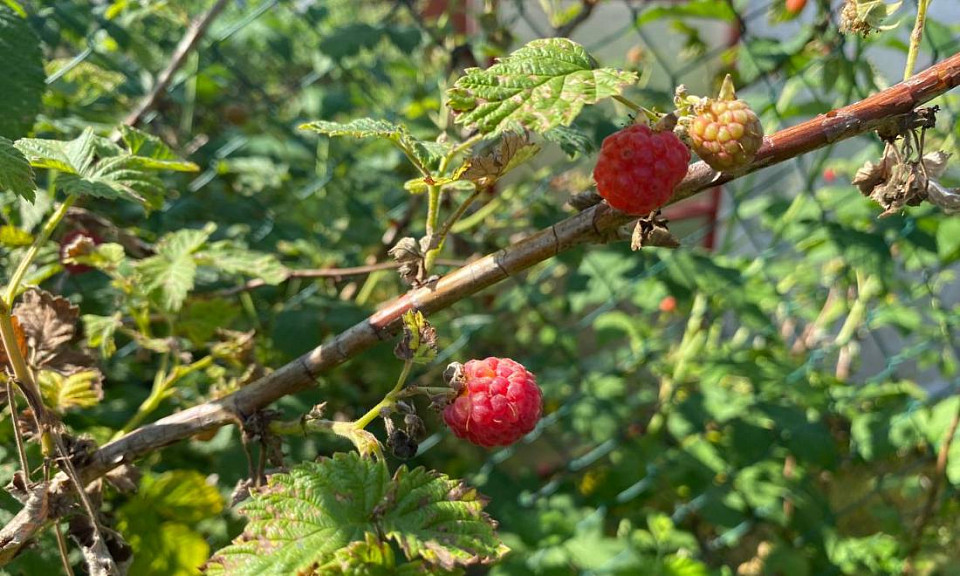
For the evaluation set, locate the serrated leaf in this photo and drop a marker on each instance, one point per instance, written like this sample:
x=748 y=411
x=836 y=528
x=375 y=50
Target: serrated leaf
x=151 y=153
x=236 y=260
x=67 y=156
x=99 y=331
x=440 y=520
x=117 y=174
x=21 y=67
x=359 y=128
x=78 y=390
x=302 y=518
x=169 y=275
x=16 y=174
x=334 y=511
x=542 y=85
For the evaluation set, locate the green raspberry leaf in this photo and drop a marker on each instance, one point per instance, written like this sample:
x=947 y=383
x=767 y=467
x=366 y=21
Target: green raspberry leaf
x=81 y=389
x=301 y=520
x=16 y=174
x=150 y=153
x=337 y=516
x=169 y=275
x=100 y=331
x=540 y=86
x=440 y=520
x=160 y=522
x=232 y=259
x=21 y=67
x=94 y=166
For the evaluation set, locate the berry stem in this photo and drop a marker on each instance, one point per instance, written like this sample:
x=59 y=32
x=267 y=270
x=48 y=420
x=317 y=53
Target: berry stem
x=388 y=401
x=915 y=38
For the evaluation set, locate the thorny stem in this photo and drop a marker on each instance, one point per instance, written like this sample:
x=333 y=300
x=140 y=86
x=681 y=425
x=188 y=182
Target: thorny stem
x=39 y=241
x=915 y=37
x=388 y=401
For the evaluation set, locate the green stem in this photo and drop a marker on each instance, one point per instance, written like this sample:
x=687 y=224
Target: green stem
x=466 y=144
x=388 y=401
x=447 y=225
x=628 y=103
x=39 y=241
x=915 y=38
x=162 y=383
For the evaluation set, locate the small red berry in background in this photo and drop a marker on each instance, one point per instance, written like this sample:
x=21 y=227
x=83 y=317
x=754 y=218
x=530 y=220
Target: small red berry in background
x=638 y=168
x=668 y=304
x=74 y=243
x=795 y=6
x=498 y=401
x=829 y=175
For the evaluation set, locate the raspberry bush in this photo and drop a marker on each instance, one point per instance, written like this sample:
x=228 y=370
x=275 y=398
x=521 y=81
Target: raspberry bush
x=298 y=222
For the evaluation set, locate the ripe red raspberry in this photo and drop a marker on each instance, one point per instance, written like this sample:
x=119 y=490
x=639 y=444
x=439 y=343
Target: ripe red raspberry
x=725 y=133
x=497 y=403
x=638 y=168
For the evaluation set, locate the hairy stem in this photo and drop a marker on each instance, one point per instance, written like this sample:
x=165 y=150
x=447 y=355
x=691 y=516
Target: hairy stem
x=915 y=37
x=49 y=226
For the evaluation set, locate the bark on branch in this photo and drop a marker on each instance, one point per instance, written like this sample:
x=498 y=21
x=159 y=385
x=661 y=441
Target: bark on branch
x=593 y=224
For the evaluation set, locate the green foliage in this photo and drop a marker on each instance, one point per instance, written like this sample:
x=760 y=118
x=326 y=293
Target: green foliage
x=774 y=405
x=16 y=174
x=337 y=510
x=90 y=165
x=541 y=86
x=160 y=523
x=21 y=67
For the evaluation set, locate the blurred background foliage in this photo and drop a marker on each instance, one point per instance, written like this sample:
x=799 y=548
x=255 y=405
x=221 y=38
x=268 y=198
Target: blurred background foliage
x=774 y=404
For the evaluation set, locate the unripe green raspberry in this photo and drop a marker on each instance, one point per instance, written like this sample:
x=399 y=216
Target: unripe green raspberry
x=725 y=132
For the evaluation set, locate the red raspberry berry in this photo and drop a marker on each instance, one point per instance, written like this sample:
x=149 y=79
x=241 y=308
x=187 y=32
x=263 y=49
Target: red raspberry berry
x=638 y=168
x=725 y=133
x=829 y=175
x=498 y=402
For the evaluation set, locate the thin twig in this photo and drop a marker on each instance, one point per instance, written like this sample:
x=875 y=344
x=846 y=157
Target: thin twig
x=196 y=31
x=330 y=273
x=591 y=225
